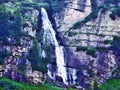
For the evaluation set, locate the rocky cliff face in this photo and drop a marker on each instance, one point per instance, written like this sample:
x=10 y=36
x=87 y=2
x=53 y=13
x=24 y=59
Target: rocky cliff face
x=16 y=64
x=74 y=11
x=89 y=45
x=63 y=55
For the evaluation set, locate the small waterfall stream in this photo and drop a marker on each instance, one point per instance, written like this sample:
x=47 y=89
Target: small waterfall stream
x=50 y=34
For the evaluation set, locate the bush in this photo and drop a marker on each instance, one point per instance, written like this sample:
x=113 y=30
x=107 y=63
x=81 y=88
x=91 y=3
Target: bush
x=108 y=42
x=3 y=55
x=3 y=1
x=39 y=63
x=81 y=48
x=94 y=4
x=112 y=1
x=91 y=51
x=70 y=34
x=116 y=45
x=96 y=85
x=112 y=16
x=34 y=56
x=101 y=49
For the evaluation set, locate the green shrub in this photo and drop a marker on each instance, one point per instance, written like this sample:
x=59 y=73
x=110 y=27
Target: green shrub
x=91 y=51
x=81 y=48
x=116 y=45
x=96 y=85
x=39 y=63
x=70 y=34
x=56 y=5
x=101 y=49
x=108 y=42
x=34 y=56
x=112 y=1
x=3 y=55
x=1 y=88
x=94 y=4
x=3 y=1
x=91 y=72
x=112 y=16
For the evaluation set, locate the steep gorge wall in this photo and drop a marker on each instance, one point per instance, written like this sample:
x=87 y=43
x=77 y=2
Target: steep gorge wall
x=74 y=11
x=89 y=44
x=87 y=54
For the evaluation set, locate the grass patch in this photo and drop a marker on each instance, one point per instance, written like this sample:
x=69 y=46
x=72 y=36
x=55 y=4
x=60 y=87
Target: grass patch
x=11 y=9
x=7 y=84
x=112 y=84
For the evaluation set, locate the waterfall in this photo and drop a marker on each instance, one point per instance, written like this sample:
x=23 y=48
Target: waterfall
x=50 y=34
x=43 y=54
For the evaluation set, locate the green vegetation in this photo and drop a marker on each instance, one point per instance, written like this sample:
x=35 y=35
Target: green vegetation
x=91 y=50
x=7 y=84
x=95 y=85
x=52 y=5
x=77 y=41
x=57 y=5
x=113 y=6
x=3 y=55
x=70 y=34
x=3 y=1
x=108 y=42
x=34 y=56
x=112 y=84
x=78 y=48
x=116 y=45
x=115 y=9
x=10 y=24
x=91 y=72
x=102 y=49
x=94 y=4
x=116 y=73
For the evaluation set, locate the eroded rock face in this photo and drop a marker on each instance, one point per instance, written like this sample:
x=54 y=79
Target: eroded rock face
x=92 y=35
x=75 y=11
x=35 y=77
x=16 y=65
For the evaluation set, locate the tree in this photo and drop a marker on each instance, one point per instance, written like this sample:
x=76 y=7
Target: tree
x=4 y=16
x=34 y=56
x=15 y=27
x=95 y=85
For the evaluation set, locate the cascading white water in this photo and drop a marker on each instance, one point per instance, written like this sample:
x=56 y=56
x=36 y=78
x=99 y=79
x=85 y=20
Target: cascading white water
x=43 y=54
x=49 y=33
